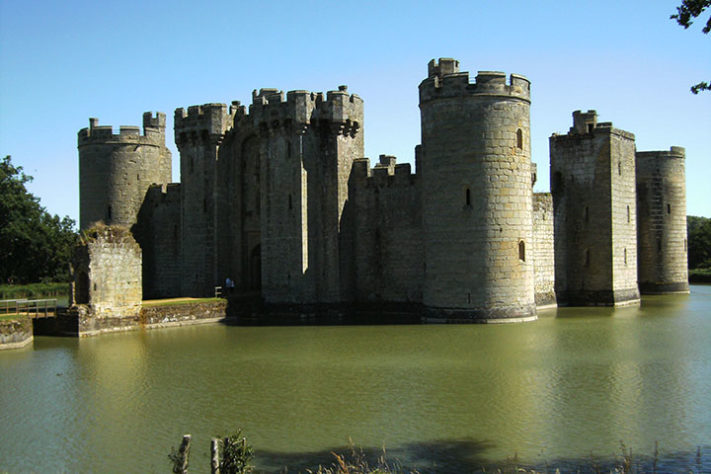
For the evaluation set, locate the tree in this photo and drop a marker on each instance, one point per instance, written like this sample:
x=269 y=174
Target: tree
x=699 y=230
x=34 y=245
x=692 y=9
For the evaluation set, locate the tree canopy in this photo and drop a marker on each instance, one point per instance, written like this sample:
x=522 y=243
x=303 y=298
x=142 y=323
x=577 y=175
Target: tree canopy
x=685 y=14
x=34 y=245
x=699 y=230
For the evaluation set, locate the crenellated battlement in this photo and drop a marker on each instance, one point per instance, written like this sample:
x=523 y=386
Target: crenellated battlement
x=153 y=132
x=203 y=121
x=585 y=125
x=302 y=109
x=445 y=81
x=387 y=172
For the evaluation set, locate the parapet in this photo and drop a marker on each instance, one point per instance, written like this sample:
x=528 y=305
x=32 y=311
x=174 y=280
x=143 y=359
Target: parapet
x=445 y=81
x=302 y=109
x=387 y=172
x=675 y=152
x=585 y=124
x=153 y=132
x=163 y=193
x=212 y=120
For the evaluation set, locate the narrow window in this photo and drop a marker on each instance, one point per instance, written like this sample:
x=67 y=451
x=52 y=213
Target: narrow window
x=628 y=213
x=519 y=139
x=659 y=246
x=290 y=205
x=204 y=204
x=619 y=167
x=668 y=208
x=590 y=128
x=108 y=213
x=468 y=197
x=192 y=167
x=522 y=251
x=138 y=177
x=587 y=257
x=288 y=149
x=587 y=214
x=625 y=256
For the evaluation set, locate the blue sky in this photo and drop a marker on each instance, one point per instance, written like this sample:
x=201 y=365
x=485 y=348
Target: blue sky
x=63 y=62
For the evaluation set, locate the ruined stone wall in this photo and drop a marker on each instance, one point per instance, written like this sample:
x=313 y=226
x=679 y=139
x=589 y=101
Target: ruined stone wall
x=477 y=196
x=158 y=233
x=106 y=271
x=115 y=170
x=387 y=232
x=661 y=224
x=198 y=135
x=15 y=333
x=543 y=249
x=592 y=183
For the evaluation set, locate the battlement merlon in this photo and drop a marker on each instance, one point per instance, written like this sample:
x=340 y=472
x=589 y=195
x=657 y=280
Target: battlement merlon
x=487 y=83
x=386 y=172
x=212 y=120
x=153 y=132
x=585 y=125
x=442 y=67
x=302 y=108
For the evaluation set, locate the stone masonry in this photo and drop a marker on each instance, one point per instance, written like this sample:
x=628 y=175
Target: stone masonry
x=278 y=198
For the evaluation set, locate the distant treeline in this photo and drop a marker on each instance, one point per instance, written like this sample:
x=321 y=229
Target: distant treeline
x=699 y=231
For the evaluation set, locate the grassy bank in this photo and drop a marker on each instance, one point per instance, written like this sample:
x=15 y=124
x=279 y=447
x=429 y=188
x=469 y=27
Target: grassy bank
x=34 y=290
x=700 y=275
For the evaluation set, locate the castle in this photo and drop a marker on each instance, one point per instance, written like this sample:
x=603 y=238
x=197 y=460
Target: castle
x=278 y=199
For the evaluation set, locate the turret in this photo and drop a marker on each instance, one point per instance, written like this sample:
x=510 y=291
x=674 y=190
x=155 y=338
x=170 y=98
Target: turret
x=661 y=221
x=477 y=196
x=115 y=170
x=595 y=219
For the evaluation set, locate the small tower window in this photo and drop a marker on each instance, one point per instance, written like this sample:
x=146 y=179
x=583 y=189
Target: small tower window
x=628 y=214
x=522 y=251
x=290 y=204
x=519 y=139
x=586 y=214
x=668 y=208
x=108 y=213
x=619 y=167
x=587 y=257
x=468 y=197
x=625 y=256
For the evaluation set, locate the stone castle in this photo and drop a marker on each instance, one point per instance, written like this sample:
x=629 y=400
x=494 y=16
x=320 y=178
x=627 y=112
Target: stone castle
x=278 y=198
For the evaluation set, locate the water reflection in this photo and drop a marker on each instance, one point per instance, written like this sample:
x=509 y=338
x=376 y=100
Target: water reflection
x=574 y=382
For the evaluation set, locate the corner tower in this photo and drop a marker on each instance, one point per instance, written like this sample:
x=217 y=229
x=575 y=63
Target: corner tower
x=595 y=218
x=662 y=262
x=476 y=195
x=115 y=170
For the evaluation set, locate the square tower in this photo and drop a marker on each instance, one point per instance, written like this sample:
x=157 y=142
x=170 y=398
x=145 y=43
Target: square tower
x=593 y=186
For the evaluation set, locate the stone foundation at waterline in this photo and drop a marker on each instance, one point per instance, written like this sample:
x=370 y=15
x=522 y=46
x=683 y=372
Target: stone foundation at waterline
x=15 y=333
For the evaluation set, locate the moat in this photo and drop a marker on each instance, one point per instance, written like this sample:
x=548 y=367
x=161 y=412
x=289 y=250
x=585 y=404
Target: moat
x=575 y=382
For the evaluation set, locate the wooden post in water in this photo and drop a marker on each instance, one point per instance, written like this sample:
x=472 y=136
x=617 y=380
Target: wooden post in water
x=215 y=456
x=183 y=454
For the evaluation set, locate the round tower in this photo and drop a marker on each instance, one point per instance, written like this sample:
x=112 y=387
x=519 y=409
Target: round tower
x=661 y=222
x=115 y=170
x=477 y=196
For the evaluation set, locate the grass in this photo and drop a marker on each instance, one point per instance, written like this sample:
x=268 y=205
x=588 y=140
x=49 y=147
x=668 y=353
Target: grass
x=700 y=275
x=34 y=290
x=179 y=301
x=10 y=317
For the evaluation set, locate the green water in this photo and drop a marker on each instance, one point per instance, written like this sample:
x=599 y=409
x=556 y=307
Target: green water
x=456 y=396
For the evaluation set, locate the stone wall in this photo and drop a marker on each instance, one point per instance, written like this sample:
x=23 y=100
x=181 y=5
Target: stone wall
x=543 y=249
x=106 y=273
x=115 y=170
x=661 y=224
x=158 y=233
x=181 y=313
x=387 y=233
x=15 y=333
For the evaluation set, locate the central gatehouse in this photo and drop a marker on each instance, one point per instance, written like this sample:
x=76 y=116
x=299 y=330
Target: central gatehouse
x=278 y=200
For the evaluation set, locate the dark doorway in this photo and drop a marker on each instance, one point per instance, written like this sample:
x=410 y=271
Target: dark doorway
x=81 y=288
